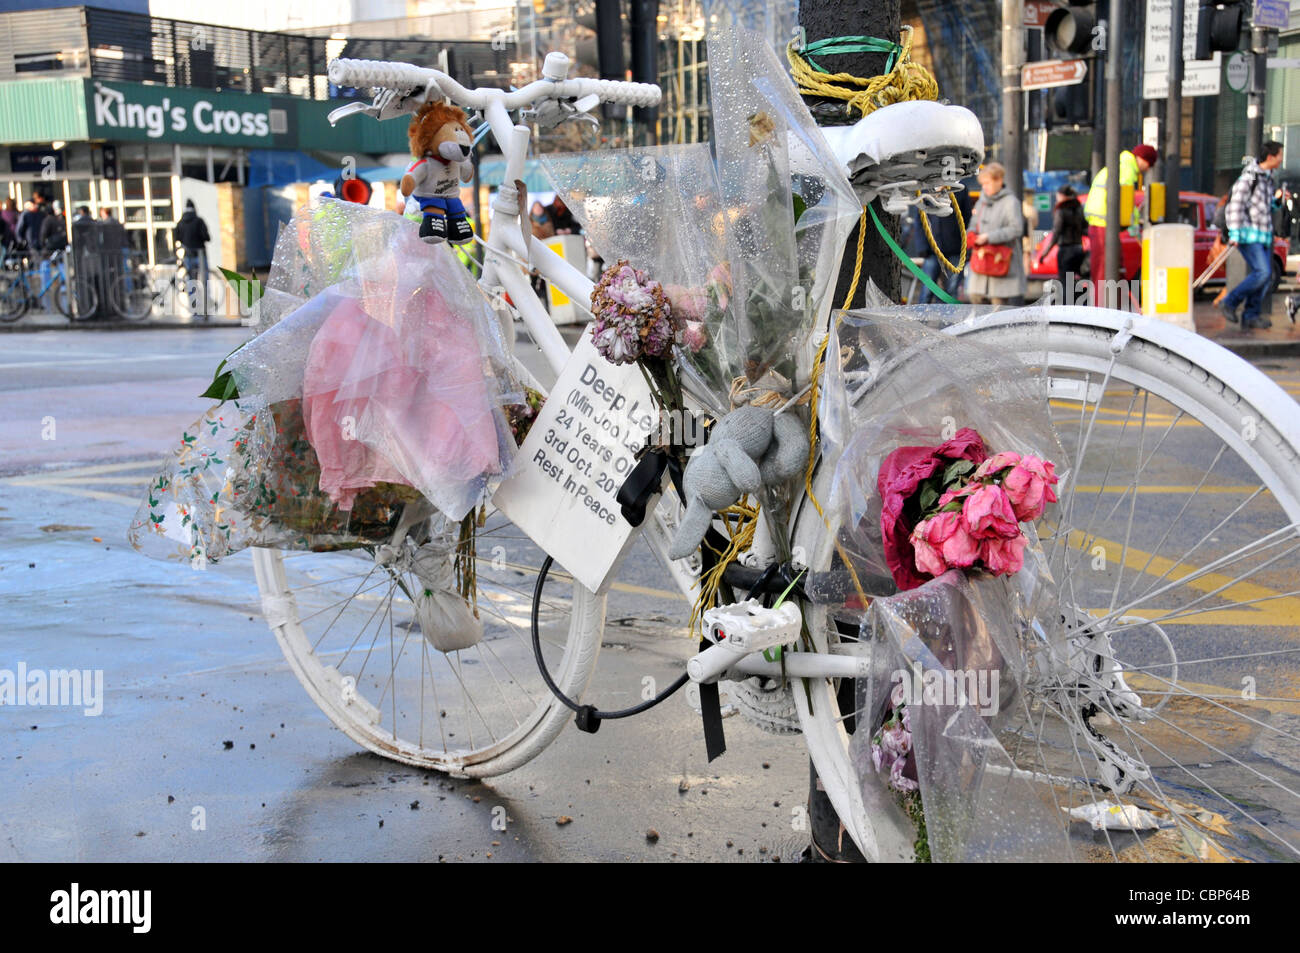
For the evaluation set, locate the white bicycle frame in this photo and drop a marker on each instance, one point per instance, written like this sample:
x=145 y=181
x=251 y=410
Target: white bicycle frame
x=511 y=249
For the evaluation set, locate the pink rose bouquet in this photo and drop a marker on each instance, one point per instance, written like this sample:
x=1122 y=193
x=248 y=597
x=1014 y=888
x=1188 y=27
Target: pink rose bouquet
x=955 y=507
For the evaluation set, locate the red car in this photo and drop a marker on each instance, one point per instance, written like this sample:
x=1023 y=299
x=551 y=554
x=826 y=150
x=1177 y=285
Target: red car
x=1194 y=208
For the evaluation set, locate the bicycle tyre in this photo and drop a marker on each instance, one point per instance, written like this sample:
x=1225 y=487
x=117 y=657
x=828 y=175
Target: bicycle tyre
x=13 y=298
x=361 y=708
x=74 y=304
x=133 y=297
x=1208 y=387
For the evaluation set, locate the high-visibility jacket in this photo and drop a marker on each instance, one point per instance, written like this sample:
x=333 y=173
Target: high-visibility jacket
x=1094 y=210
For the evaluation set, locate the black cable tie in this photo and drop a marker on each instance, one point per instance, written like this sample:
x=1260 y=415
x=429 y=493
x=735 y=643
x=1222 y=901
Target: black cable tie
x=588 y=719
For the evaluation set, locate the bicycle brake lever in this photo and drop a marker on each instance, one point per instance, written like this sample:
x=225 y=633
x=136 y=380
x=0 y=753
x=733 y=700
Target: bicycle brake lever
x=354 y=107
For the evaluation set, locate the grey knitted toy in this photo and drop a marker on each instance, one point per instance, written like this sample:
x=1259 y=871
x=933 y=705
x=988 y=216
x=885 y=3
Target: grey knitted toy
x=749 y=448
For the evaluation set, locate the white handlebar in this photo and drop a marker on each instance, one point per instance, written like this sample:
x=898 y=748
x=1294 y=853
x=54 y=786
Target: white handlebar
x=404 y=76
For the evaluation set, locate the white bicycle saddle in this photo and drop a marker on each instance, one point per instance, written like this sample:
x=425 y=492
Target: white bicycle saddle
x=906 y=148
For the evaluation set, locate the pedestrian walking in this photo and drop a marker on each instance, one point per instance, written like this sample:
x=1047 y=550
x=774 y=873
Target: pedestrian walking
x=29 y=225
x=1068 y=229
x=996 y=271
x=192 y=233
x=54 y=230
x=9 y=214
x=1133 y=164
x=1249 y=217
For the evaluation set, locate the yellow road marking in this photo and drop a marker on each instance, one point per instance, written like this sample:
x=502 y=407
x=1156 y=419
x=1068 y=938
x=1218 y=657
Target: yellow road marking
x=1184 y=490
x=1283 y=612
x=1220 y=694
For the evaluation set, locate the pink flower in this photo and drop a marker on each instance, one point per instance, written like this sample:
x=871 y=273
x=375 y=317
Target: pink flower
x=719 y=283
x=896 y=742
x=689 y=304
x=928 y=559
x=694 y=336
x=897 y=780
x=897 y=695
x=1004 y=556
x=901 y=473
x=950 y=495
x=987 y=513
x=999 y=461
x=1029 y=487
x=948 y=532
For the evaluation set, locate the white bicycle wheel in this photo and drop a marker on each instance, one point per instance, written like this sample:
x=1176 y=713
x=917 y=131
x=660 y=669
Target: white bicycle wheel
x=350 y=631
x=1176 y=538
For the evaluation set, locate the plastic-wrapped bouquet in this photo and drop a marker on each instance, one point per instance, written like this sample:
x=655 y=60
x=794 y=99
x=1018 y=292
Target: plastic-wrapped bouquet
x=379 y=378
x=636 y=323
x=954 y=507
x=743 y=239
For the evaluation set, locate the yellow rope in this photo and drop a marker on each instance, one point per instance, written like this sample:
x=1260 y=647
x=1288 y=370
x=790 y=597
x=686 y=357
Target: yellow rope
x=906 y=81
x=819 y=364
x=857 y=273
x=961 y=225
x=740 y=520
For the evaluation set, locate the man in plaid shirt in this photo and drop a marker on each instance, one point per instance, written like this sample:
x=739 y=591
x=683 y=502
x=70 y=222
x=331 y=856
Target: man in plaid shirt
x=1250 y=225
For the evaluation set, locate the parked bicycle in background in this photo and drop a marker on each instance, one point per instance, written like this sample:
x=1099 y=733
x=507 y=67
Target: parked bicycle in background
x=190 y=290
x=23 y=289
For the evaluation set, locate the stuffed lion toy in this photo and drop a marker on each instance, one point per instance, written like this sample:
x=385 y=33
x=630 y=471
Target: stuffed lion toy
x=441 y=144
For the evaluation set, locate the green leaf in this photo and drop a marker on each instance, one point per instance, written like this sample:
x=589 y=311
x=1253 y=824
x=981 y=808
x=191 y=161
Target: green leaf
x=800 y=206
x=929 y=496
x=248 y=290
x=223 y=386
x=957 y=469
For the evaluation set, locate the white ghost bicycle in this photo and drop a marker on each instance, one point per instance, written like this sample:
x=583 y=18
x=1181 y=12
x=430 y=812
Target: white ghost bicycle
x=1209 y=561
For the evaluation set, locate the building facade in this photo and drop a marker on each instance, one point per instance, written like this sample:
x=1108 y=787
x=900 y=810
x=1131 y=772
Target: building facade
x=135 y=114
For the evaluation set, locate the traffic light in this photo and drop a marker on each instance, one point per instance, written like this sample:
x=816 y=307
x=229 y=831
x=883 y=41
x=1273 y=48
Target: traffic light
x=1218 y=27
x=1070 y=105
x=353 y=188
x=1069 y=29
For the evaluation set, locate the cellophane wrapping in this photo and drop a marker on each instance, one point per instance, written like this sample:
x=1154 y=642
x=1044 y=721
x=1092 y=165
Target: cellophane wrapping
x=377 y=377
x=894 y=377
x=961 y=649
x=745 y=235
x=892 y=381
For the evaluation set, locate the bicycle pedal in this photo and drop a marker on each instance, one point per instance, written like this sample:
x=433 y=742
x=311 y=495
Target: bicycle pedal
x=746 y=627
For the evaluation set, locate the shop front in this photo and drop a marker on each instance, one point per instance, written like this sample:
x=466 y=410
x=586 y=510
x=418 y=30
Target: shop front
x=139 y=151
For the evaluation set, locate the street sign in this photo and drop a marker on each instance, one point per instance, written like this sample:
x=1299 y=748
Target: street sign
x=1042 y=202
x=1200 y=77
x=1051 y=73
x=1238 y=72
x=1272 y=14
x=1036 y=12
x=1151 y=131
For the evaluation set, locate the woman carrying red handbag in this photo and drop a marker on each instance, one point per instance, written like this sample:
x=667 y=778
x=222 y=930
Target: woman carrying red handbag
x=996 y=271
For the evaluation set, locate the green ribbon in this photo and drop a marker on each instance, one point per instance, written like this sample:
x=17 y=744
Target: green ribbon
x=850 y=44
x=911 y=266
